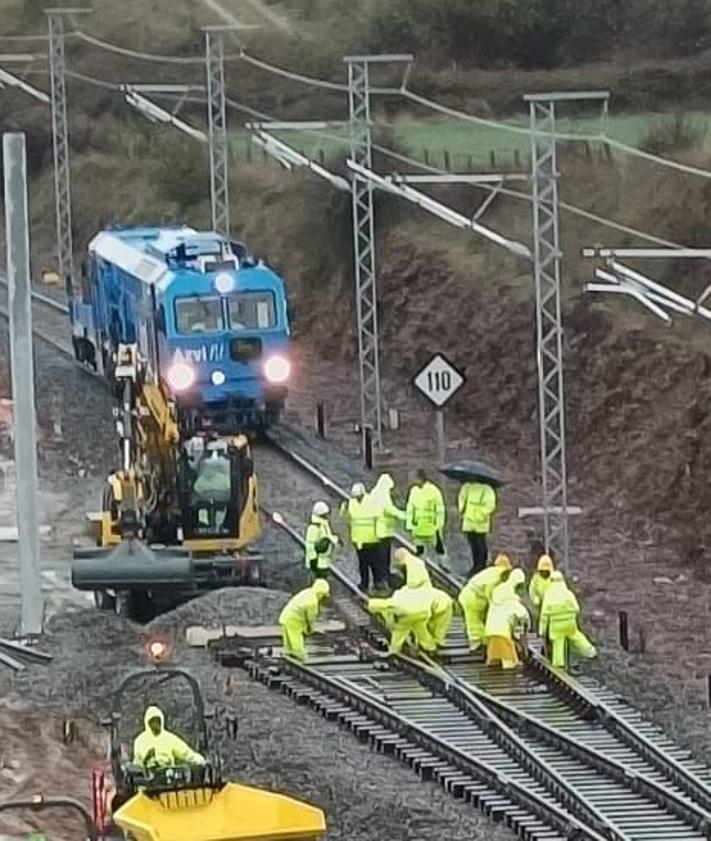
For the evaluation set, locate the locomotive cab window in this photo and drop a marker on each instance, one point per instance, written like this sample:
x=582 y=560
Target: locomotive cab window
x=252 y=311
x=198 y=315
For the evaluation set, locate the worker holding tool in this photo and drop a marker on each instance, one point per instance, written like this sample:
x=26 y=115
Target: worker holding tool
x=476 y=505
x=157 y=747
x=559 y=622
x=507 y=622
x=413 y=569
x=406 y=614
x=540 y=582
x=359 y=515
x=475 y=596
x=320 y=541
x=426 y=515
x=389 y=517
x=299 y=615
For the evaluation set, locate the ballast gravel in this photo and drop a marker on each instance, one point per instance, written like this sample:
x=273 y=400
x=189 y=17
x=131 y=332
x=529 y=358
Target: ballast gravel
x=280 y=745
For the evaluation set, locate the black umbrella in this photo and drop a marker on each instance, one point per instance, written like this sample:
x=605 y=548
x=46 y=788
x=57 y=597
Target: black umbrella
x=469 y=470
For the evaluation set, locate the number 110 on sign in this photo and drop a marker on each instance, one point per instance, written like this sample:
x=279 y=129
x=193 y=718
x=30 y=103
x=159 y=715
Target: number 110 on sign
x=438 y=380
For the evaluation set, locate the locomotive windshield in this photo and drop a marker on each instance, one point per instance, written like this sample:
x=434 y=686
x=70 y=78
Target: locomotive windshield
x=252 y=311
x=198 y=315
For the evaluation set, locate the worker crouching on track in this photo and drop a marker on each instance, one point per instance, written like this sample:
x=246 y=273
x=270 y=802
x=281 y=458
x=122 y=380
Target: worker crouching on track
x=412 y=568
x=299 y=615
x=507 y=622
x=559 y=623
x=157 y=747
x=475 y=596
x=320 y=541
x=441 y=613
x=360 y=517
x=407 y=614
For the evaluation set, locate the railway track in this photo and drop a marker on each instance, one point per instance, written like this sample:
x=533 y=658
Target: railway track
x=52 y=327
x=51 y=332
x=550 y=756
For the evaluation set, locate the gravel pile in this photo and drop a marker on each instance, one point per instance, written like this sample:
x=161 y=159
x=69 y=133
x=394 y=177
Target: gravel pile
x=281 y=746
x=234 y=606
x=92 y=649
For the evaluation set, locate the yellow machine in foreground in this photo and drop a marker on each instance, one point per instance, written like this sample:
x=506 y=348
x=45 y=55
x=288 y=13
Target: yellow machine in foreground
x=234 y=813
x=191 y=804
x=179 y=514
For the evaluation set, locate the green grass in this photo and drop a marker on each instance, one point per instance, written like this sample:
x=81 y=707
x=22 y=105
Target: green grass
x=467 y=145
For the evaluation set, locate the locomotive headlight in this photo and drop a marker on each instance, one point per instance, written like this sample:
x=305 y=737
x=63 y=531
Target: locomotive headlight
x=277 y=369
x=224 y=283
x=218 y=377
x=180 y=376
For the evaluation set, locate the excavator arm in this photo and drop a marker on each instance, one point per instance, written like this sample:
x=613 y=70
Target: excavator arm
x=178 y=513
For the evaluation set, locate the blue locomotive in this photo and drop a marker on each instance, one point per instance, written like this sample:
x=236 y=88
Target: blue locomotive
x=211 y=321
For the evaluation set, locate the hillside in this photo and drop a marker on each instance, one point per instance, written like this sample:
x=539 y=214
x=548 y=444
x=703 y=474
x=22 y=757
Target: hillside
x=637 y=393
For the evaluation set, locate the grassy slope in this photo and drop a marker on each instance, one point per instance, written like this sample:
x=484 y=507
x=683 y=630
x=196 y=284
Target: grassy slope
x=127 y=170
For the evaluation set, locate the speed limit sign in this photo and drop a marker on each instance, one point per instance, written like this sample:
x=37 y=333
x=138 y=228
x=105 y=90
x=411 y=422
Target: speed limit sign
x=439 y=380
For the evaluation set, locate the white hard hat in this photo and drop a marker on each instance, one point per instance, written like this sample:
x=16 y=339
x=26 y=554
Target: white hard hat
x=358 y=489
x=320 y=509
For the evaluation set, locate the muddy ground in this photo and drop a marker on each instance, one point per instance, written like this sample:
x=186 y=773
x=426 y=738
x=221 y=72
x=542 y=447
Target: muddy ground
x=637 y=468
x=280 y=746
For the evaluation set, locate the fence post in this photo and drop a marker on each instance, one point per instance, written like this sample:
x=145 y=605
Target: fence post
x=320 y=421
x=624 y=634
x=368 y=446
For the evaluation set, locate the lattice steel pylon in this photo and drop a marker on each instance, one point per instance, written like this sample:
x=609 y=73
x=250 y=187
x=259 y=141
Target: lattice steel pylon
x=364 y=238
x=217 y=123
x=60 y=141
x=549 y=327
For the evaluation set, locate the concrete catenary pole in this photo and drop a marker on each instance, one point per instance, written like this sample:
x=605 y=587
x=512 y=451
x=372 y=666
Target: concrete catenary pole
x=23 y=391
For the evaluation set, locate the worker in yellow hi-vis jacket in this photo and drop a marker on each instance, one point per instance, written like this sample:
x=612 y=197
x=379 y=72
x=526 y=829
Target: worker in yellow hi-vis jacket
x=475 y=596
x=559 y=622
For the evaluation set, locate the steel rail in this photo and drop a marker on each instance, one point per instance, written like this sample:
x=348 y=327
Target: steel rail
x=471 y=698
x=682 y=777
x=48 y=302
x=696 y=814
x=496 y=729
x=384 y=716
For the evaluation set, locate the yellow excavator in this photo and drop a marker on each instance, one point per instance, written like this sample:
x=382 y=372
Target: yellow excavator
x=178 y=516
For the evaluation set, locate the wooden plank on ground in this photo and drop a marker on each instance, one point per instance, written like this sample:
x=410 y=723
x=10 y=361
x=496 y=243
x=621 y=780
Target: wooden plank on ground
x=8 y=534
x=538 y=511
x=198 y=636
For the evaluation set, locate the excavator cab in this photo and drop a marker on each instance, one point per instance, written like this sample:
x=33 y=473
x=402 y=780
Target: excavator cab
x=218 y=493
x=186 y=803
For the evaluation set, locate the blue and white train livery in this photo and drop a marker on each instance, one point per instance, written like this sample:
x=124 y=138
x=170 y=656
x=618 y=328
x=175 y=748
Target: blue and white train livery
x=211 y=321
